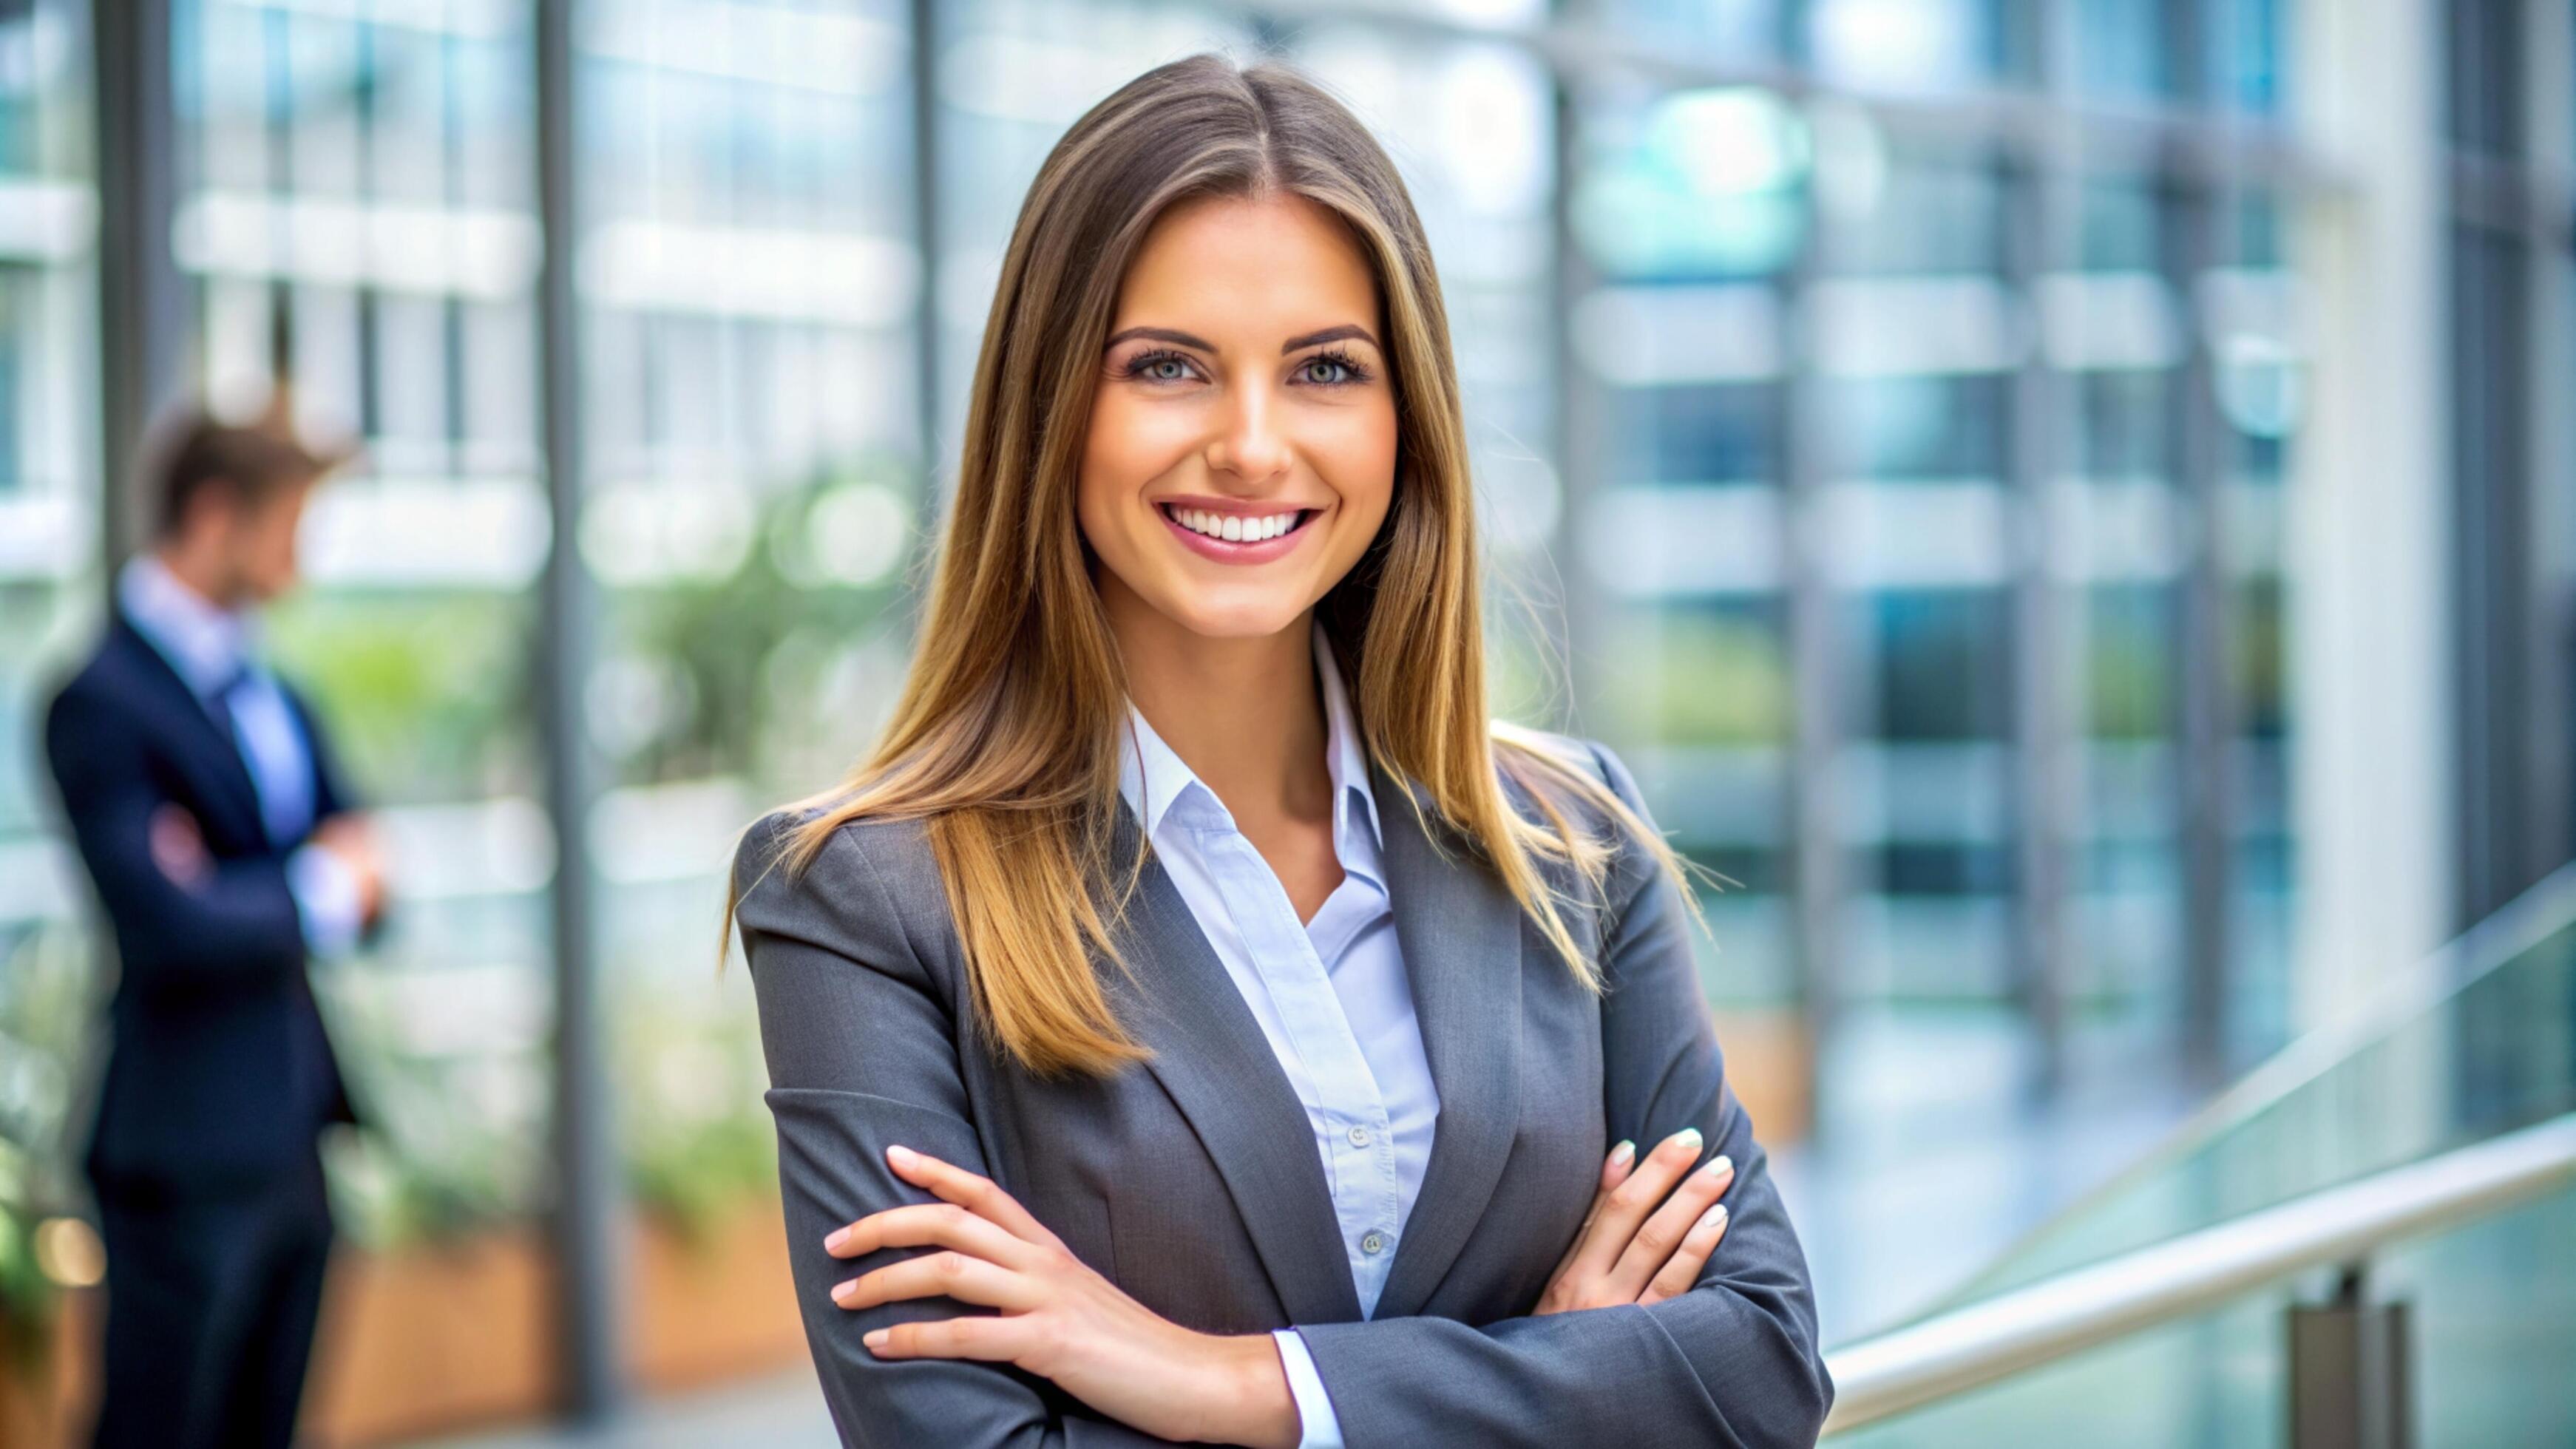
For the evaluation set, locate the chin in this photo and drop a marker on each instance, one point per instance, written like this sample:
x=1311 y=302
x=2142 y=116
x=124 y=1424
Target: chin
x=1215 y=615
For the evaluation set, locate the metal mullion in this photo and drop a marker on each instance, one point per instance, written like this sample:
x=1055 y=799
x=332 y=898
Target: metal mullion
x=1582 y=434
x=587 y=1222
x=1818 y=872
x=143 y=322
x=2046 y=702
x=2205 y=719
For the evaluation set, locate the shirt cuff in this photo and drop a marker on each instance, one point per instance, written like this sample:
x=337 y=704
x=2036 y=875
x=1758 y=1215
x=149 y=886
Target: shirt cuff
x=1321 y=1428
x=326 y=899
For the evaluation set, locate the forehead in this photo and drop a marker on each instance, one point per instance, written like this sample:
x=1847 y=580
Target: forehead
x=1219 y=264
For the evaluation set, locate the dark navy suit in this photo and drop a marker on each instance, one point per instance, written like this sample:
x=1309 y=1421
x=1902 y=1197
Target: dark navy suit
x=219 y=1074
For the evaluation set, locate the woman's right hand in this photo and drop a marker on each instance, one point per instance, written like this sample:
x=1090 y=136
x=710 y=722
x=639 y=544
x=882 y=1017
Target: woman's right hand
x=1645 y=1240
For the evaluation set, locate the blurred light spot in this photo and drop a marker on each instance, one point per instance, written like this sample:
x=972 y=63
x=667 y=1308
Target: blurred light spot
x=792 y=46
x=444 y=250
x=794 y=276
x=1657 y=336
x=652 y=532
x=1522 y=500
x=68 y=1252
x=858 y=533
x=393 y=532
x=1898 y=44
x=1708 y=182
x=1883 y=326
x=1850 y=159
x=2260 y=385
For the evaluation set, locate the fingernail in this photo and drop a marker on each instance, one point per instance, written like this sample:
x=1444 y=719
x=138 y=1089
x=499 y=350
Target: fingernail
x=1714 y=1217
x=842 y=1293
x=833 y=1243
x=1620 y=1154
x=875 y=1338
x=1718 y=1166
x=1688 y=1136
x=902 y=1156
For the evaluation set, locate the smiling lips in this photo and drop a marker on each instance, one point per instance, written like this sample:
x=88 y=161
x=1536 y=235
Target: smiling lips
x=1236 y=537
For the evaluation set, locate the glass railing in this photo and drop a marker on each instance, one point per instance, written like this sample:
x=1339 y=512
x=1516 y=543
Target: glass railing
x=2476 y=1042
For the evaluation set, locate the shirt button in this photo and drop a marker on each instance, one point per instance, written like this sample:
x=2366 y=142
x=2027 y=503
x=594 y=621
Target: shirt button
x=1359 y=1137
x=1373 y=1243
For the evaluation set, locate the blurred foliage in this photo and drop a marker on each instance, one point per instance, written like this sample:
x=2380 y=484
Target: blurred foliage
x=425 y=692
x=694 y=1132
x=710 y=651
x=1711 y=676
x=45 y=986
x=2129 y=662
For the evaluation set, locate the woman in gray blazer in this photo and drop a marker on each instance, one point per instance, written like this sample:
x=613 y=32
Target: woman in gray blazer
x=1196 y=1020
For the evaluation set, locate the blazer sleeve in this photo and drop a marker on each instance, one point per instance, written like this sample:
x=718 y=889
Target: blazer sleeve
x=1732 y=1361
x=861 y=1053
x=238 y=927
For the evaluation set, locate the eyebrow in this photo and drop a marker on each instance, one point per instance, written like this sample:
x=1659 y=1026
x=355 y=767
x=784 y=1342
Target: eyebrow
x=1185 y=339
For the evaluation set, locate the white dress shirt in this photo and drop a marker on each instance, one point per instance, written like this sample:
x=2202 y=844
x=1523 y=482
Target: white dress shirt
x=1331 y=993
x=209 y=647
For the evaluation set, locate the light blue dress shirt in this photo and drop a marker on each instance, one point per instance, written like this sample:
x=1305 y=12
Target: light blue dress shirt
x=210 y=649
x=1331 y=994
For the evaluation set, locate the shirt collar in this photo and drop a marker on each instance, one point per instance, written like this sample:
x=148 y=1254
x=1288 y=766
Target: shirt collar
x=1155 y=781
x=206 y=643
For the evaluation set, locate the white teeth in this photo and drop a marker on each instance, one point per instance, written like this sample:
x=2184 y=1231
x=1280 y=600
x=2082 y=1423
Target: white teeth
x=1234 y=527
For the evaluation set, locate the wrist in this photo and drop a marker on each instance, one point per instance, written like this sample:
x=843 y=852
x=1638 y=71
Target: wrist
x=1249 y=1395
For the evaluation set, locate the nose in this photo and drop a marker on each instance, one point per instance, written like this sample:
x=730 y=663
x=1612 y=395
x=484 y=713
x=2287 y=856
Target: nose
x=1248 y=442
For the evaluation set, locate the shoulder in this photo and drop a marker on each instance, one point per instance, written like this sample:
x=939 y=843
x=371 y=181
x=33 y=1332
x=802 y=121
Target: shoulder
x=93 y=692
x=867 y=887
x=1558 y=758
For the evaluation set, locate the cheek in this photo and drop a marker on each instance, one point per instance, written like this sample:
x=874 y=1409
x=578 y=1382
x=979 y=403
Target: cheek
x=1357 y=460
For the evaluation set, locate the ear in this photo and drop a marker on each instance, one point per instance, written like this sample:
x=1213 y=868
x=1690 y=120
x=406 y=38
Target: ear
x=215 y=505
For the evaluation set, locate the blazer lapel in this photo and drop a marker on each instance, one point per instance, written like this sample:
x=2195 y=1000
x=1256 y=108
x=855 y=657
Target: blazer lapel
x=1460 y=932
x=1211 y=1056
x=215 y=750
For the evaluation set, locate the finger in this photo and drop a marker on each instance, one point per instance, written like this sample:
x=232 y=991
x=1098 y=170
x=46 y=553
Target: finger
x=930 y=1225
x=1630 y=1202
x=1680 y=1272
x=961 y=1276
x=977 y=1336
x=1614 y=1171
x=1660 y=1236
x=971 y=1191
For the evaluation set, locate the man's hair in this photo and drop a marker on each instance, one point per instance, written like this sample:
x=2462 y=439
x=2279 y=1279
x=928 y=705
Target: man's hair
x=256 y=460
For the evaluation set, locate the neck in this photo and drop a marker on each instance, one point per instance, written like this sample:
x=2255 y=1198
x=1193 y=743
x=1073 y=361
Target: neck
x=200 y=570
x=1245 y=714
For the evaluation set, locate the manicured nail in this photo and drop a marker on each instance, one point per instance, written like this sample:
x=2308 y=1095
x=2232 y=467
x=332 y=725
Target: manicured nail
x=842 y=1293
x=833 y=1243
x=1620 y=1154
x=1714 y=1218
x=875 y=1338
x=1688 y=1136
x=902 y=1157
x=1718 y=1166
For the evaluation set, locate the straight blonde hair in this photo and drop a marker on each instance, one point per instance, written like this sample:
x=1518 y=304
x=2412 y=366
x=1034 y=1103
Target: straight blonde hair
x=1004 y=739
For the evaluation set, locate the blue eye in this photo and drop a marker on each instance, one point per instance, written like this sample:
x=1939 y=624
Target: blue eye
x=1151 y=367
x=1337 y=369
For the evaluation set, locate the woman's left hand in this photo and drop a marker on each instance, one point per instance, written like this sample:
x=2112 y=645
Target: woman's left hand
x=1059 y=1318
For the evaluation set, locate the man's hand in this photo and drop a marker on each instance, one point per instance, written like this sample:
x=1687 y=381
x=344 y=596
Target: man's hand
x=1624 y=1255
x=353 y=844
x=179 y=847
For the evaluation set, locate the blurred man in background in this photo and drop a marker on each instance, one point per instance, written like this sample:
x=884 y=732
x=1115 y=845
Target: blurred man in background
x=226 y=853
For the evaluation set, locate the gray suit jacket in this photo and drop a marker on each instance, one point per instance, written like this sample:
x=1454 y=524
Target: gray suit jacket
x=1193 y=1183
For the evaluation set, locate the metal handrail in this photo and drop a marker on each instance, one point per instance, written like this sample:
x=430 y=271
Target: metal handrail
x=2519 y=926
x=2013 y=1332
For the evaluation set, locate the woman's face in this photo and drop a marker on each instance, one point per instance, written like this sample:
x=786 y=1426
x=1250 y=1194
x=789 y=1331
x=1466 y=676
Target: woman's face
x=1243 y=431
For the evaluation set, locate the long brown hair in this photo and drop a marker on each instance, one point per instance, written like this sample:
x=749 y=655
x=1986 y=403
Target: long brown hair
x=1004 y=741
